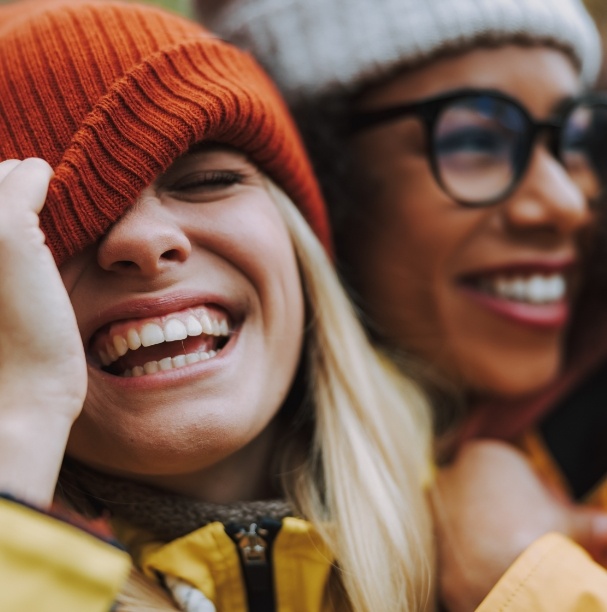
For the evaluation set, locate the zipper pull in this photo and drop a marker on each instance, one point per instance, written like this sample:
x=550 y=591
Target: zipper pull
x=255 y=548
x=252 y=545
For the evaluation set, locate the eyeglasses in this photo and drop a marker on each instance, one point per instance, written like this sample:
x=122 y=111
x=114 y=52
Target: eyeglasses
x=480 y=141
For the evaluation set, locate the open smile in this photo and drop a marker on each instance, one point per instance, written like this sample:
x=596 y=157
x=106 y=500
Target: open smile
x=534 y=288
x=531 y=295
x=142 y=347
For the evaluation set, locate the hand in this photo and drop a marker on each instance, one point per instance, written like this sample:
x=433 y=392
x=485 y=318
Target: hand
x=489 y=507
x=42 y=364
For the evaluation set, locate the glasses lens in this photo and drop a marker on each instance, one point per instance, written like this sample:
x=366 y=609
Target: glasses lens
x=583 y=147
x=479 y=147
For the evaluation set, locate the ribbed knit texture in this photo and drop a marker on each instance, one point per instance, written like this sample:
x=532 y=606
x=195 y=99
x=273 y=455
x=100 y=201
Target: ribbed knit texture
x=318 y=47
x=167 y=515
x=110 y=94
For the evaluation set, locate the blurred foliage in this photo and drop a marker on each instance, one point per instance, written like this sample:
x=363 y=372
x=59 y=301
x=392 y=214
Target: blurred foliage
x=598 y=8
x=177 y=6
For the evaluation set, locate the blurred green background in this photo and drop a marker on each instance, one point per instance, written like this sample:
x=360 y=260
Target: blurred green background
x=598 y=8
x=179 y=6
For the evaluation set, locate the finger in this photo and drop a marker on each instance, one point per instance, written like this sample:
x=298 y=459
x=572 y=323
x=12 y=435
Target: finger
x=6 y=167
x=26 y=183
x=588 y=527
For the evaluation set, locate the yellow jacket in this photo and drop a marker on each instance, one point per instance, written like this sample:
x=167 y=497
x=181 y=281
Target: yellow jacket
x=50 y=566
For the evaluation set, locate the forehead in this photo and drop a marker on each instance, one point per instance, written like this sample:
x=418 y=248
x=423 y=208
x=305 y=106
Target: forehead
x=538 y=76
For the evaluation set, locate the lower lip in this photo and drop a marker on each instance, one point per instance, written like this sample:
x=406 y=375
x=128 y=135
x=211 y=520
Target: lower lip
x=542 y=316
x=167 y=378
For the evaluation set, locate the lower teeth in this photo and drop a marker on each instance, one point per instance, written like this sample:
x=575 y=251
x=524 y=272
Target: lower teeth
x=168 y=363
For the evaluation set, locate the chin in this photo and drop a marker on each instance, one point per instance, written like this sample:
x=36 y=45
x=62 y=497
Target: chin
x=517 y=381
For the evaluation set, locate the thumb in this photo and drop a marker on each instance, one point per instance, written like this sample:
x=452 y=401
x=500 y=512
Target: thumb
x=588 y=527
x=25 y=182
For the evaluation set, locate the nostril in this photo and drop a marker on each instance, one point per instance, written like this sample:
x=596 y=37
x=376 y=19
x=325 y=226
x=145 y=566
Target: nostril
x=124 y=265
x=173 y=255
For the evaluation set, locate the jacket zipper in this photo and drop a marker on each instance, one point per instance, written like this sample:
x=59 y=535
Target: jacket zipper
x=254 y=546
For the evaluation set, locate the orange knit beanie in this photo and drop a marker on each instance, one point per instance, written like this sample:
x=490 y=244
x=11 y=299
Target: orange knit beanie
x=111 y=93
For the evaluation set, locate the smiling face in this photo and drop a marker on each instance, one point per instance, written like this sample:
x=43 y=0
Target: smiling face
x=191 y=312
x=482 y=294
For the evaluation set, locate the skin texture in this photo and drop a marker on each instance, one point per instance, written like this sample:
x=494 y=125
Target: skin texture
x=32 y=291
x=414 y=244
x=479 y=536
x=230 y=410
x=206 y=232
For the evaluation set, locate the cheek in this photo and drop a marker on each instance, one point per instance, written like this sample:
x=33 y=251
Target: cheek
x=401 y=254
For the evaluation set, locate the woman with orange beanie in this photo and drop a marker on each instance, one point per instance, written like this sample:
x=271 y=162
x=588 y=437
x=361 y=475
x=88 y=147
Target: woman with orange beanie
x=176 y=353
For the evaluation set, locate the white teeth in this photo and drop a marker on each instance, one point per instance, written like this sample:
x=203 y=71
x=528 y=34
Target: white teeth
x=151 y=334
x=536 y=289
x=193 y=326
x=179 y=361
x=165 y=364
x=518 y=289
x=151 y=367
x=169 y=363
x=120 y=345
x=174 y=330
x=133 y=340
x=558 y=287
x=207 y=325
x=112 y=353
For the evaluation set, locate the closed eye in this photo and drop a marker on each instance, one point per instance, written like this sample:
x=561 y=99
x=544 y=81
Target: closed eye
x=205 y=181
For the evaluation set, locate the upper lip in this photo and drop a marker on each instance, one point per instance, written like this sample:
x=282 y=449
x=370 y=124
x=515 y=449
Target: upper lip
x=156 y=306
x=528 y=265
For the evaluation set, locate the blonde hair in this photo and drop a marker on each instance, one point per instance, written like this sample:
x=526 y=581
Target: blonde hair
x=364 y=479
x=362 y=483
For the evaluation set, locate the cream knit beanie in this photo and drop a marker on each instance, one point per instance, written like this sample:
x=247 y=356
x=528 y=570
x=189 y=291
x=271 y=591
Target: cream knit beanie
x=317 y=47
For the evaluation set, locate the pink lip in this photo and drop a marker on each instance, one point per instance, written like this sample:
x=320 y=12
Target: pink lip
x=540 y=265
x=543 y=316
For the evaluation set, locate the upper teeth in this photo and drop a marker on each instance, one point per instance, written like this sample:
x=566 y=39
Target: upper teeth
x=153 y=333
x=536 y=289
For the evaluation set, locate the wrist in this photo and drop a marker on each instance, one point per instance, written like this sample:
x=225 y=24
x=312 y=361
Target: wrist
x=31 y=453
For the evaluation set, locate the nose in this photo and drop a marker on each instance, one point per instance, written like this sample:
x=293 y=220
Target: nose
x=145 y=241
x=547 y=199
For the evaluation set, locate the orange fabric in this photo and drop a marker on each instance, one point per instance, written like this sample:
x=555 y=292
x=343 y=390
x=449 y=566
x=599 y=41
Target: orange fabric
x=110 y=93
x=552 y=574
x=532 y=445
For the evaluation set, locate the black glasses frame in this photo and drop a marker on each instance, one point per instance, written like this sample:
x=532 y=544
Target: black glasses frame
x=429 y=110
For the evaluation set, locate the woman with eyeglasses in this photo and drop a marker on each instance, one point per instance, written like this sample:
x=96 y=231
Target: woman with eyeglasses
x=464 y=164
